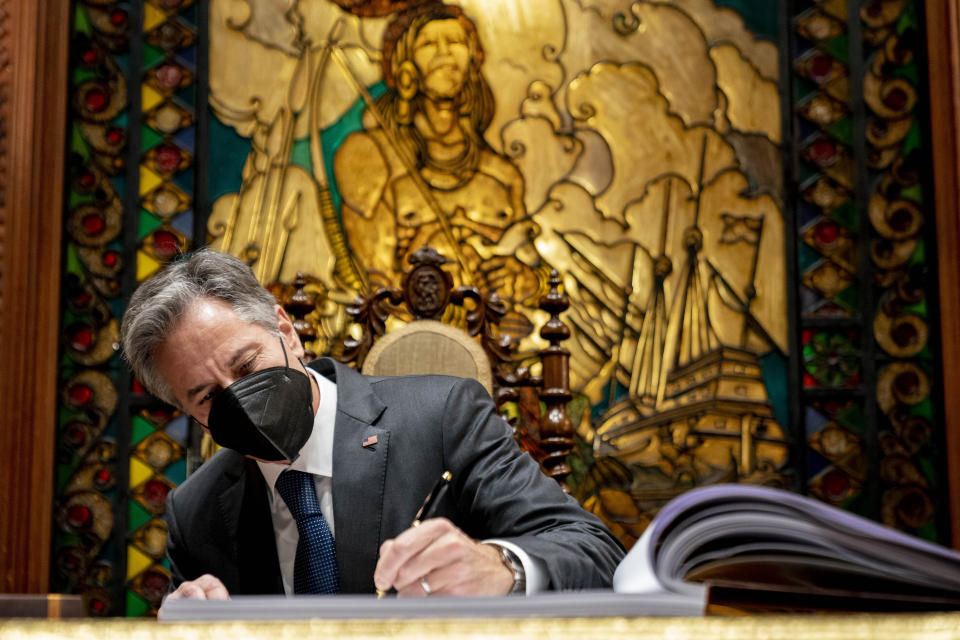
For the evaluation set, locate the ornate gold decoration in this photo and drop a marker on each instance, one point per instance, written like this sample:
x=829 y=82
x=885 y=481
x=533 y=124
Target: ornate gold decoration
x=520 y=139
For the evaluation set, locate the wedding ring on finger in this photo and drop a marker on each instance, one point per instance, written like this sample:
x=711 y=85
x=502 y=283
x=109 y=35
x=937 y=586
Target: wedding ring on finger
x=424 y=585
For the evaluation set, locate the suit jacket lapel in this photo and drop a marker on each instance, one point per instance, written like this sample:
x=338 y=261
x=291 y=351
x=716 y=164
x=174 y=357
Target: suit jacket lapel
x=359 y=473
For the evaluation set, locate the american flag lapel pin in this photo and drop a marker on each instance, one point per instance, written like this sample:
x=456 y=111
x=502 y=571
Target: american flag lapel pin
x=370 y=441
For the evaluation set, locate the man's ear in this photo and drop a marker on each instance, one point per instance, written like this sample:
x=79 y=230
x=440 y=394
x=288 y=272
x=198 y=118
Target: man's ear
x=287 y=333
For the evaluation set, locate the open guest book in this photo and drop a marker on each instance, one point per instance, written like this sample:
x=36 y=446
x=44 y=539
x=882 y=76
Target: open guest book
x=760 y=549
x=717 y=549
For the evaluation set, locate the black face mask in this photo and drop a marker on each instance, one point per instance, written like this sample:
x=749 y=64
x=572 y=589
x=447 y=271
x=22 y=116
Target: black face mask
x=267 y=415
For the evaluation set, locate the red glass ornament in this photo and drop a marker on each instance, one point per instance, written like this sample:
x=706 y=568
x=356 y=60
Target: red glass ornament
x=98 y=605
x=89 y=56
x=80 y=394
x=137 y=387
x=896 y=99
x=165 y=243
x=96 y=100
x=901 y=219
x=154 y=585
x=115 y=136
x=79 y=516
x=823 y=151
x=808 y=381
x=168 y=158
x=155 y=493
x=160 y=415
x=87 y=180
x=93 y=224
x=81 y=339
x=75 y=436
x=118 y=17
x=102 y=477
x=821 y=66
x=81 y=300
x=169 y=75
x=827 y=232
x=835 y=485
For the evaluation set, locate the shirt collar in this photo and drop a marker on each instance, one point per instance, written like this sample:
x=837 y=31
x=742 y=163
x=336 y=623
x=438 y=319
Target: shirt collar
x=316 y=456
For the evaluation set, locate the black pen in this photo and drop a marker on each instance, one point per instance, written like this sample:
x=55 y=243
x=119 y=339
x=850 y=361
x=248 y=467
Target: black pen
x=424 y=512
x=432 y=498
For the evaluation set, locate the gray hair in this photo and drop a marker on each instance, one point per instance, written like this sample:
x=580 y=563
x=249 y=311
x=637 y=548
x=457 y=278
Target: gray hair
x=158 y=304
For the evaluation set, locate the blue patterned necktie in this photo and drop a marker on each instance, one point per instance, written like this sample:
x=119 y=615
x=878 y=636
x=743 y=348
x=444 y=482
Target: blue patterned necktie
x=315 y=567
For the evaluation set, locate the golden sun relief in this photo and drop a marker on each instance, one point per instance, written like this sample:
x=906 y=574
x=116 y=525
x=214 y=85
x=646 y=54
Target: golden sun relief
x=633 y=146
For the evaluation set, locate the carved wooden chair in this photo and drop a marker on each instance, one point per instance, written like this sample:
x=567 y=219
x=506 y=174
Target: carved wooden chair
x=455 y=331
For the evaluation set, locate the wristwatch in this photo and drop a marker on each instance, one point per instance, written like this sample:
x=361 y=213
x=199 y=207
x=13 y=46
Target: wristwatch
x=512 y=562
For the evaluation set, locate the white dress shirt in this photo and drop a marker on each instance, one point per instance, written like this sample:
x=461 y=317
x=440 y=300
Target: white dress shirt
x=316 y=458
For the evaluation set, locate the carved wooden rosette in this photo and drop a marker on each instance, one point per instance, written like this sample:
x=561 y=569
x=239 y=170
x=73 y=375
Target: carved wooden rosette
x=556 y=432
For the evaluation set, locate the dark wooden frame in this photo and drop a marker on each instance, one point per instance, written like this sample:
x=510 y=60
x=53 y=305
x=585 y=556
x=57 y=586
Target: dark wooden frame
x=34 y=81
x=943 y=47
x=34 y=48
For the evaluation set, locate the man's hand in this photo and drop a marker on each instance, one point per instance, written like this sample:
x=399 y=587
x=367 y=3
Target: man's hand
x=438 y=558
x=206 y=587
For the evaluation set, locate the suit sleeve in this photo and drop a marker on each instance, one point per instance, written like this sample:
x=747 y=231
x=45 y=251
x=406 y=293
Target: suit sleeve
x=174 y=544
x=503 y=494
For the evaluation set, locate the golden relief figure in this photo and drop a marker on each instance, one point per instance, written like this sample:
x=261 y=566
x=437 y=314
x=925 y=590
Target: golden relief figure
x=428 y=176
x=631 y=145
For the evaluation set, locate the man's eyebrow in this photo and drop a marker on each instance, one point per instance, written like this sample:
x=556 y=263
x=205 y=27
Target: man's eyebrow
x=239 y=353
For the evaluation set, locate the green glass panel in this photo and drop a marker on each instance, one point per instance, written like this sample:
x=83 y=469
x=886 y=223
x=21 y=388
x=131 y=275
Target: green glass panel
x=926 y=466
x=762 y=17
x=847 y=215
x=151 y=56
x=136 y=606
x=928 y=532
x=229 y=151
x=839 y=48
x=923 y=409
x=912 y=141
x=149 y=138
x=138 y=516
x=77 y=199
x=81 y=75
x=74 y=265
x=914 y=193
x=849 y=298
x=807 y=256
x=850 y=417
x=857 y=505
x=64 y=473
x=78 y=145
x=908 y=72
x=919 y=254
x=908 y=19
x=920 y=308
x=165 y=563
x=300 y=154
x=842 y=130
x=803 y=88
x=148 y=222
x=80 y=22
x=177 y=472
x=807 y=173
x=140 y=429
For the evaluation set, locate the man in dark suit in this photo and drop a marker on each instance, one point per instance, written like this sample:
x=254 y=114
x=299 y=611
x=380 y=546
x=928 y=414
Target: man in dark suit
x=205 y=336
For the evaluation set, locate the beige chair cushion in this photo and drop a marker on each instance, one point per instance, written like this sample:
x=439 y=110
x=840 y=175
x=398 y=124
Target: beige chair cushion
x=429 y=347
